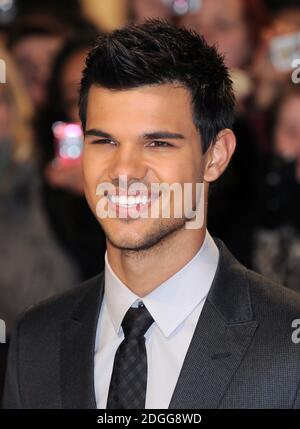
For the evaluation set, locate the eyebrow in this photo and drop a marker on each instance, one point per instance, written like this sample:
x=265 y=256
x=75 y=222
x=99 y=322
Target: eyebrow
x=162 y=135
x=98 y=133
x=147 y=136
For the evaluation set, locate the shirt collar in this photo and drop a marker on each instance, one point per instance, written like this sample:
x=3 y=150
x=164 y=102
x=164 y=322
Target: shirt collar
x=171 y=302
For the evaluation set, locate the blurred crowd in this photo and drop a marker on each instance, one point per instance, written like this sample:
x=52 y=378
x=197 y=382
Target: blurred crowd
x=49 y=240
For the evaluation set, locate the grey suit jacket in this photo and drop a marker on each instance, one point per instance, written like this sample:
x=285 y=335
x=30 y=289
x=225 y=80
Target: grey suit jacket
x=241 y=354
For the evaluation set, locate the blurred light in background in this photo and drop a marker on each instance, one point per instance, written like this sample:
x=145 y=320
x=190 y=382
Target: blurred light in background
x=7 y=11
x=181 y=7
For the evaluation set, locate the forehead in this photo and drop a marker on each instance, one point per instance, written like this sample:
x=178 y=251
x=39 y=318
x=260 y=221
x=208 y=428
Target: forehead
x=226 y=7
x=149 y=105
x=42 y=42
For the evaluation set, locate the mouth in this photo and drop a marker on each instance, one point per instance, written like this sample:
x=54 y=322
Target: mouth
x=128 y=204
x=129 y=201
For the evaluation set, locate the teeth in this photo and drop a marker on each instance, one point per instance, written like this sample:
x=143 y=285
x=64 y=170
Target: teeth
x=123 y=200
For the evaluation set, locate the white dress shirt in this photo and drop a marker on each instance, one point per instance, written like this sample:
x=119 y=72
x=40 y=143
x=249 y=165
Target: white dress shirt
x=175 y=306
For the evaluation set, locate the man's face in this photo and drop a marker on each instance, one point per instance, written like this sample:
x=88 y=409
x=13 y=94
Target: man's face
x=150 y=9
x=222 y=22
x=34 y=56
x=147 y=135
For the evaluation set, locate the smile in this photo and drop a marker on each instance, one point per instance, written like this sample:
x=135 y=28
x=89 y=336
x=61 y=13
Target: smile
x=129 y=201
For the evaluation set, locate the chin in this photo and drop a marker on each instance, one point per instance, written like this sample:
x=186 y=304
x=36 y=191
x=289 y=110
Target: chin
x=138 y=239
x=128 y=240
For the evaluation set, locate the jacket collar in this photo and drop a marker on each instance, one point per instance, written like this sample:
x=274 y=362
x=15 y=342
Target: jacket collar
x=222 y=336
x=77 y=348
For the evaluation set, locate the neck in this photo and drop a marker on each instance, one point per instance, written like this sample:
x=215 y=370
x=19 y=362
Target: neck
x=143 y=271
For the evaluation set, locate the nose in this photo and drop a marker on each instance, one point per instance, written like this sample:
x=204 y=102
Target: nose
x=127 y=160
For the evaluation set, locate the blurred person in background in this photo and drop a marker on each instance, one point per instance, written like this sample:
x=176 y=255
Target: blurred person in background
x=234 y=27
x=33 y=265
x=35 y=9
x=139 y=10
x=276 y=249
x=106 y=15
x=272 y=64
x=33 y=48
x=271 y=69
x=36 y=36
x=68 y=213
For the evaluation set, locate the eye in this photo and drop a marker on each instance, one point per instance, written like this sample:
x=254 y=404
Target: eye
x=159 y=143
x=224 y=25
x=103 y=141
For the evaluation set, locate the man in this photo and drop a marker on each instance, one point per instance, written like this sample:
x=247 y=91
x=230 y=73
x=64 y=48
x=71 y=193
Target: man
x=174 y=321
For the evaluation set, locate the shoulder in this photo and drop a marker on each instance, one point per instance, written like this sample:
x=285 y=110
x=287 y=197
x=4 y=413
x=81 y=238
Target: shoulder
x=240 y=293
x=53 y=311
x=271 y=298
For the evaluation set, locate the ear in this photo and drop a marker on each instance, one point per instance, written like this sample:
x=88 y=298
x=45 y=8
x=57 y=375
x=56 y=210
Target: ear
x=219 y=155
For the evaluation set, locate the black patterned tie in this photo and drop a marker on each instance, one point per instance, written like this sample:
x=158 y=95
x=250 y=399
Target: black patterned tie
x=129 y=377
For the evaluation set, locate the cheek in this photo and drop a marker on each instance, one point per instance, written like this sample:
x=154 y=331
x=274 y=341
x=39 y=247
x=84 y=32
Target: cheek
x=185 y=172
x=175 y=171
x=230 y=42
x=284 y=142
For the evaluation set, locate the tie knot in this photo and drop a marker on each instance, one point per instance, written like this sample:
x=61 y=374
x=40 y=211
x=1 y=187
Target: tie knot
x=136 y=322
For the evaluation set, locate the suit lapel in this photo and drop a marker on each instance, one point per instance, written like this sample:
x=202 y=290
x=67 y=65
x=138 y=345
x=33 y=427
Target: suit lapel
x=223 y=333
x=77 y=349
x=221 y=338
